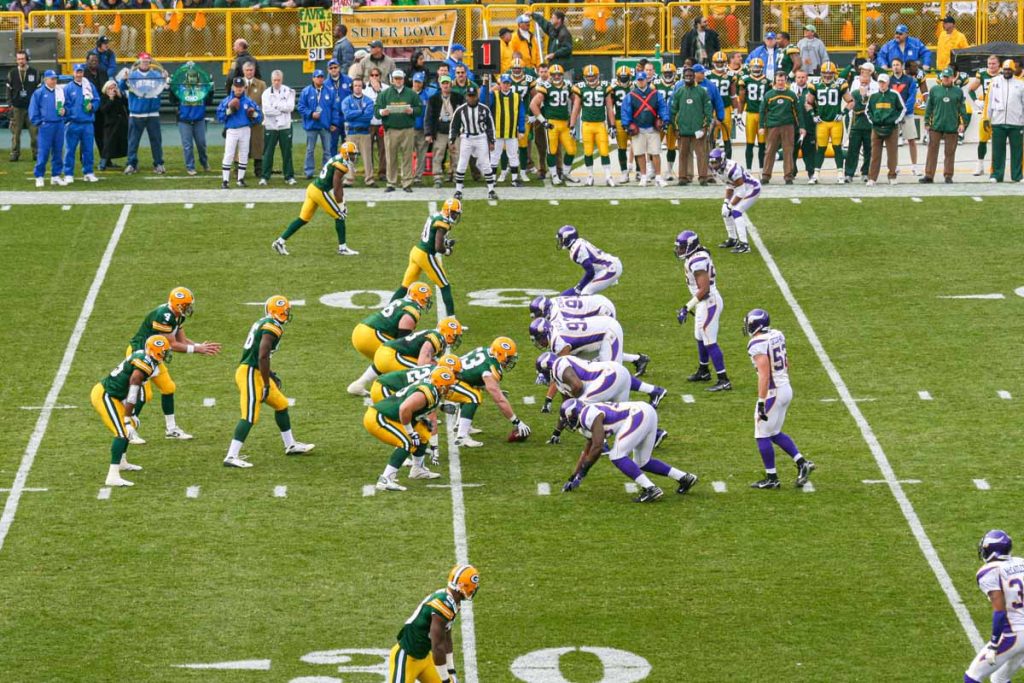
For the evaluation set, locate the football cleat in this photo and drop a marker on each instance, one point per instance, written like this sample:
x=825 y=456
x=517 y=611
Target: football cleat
x=491 y=194
x=659 y=437
x=114 y=478
x=740 y=248
x=298 y=448
x=643 y=182
x=702 y=375
x=728 y=244
x=179 y=434
x=624 y=178
x=91 y=178
x=804 y=473
x=134 y=438
x=468 y=442
x=649 y=495
x=126 y=466
x=224 y=185
x=503 y=176
x=721 y=385
x=421 y=472
x=237 y=461
x=609 y=181
x=769 y=482
x=813 y=180
x=357 y=389
x=588 y=181
x=263 y=181
x=343 y=250
x=657 y=395
x=516 y=182
x=241 y=183
x=641 y=364
x=131 y=170
x=389 y=484
x=556 y=179
x=687 y=482
x=474 y=430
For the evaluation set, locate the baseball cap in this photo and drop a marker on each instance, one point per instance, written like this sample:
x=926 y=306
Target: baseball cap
x=867 y=66
x=947 y=73
x=444 y=79
x=102 y=40
x=505 y=78
x=810 y=27
x=419 y=77
x=239 y=81
x=319 y=73
x=696 y=68
x=949 y=19
x=49 y=73
x=902 y=28
x=457 y=47
x=523 y=19
x=397 y=73
x=145 y=55
x=770 y=35
x=641 y=75
x=360 y=54
x=883 y=77
x=79 y=67
x=471 y=90
x=376 y=43
x=333 y=62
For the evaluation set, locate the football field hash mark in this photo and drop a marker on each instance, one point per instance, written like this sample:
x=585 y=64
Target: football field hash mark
x=529 y=400
x=104 y=493
x=631 y=487
x=718 y=486
x=66 y=207
x=291 y=402
x=674 y=202
x=209 y=402
x=916 y=200
x=369 y=490
x=688 y=398
x=188 y=206
x=924 y=395
x=855 y=200
x=543 y=489
x=553 y=202
x=370 y=205
x=192 y=492
x=613 y=202
x=881 y=459
x=250 y=205
x=795 y=200
x=26 y=490
x=5 y=207
x=982 y=485
x=11 y=506
x=243 y=665
x=977 y=199
x=280 y=492
x=1005 y=395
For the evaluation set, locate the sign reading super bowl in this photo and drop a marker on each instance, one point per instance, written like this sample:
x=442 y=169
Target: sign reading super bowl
x=422 y=28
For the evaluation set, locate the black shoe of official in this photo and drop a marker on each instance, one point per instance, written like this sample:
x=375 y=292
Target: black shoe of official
x=721 y=385
x=926 y=180
x=702 y=375
x=641 y=364
x=769 y=482
x=728 y=244
x=686 y=483
x=789 y=181
x=740 y=248
x=492 y=195
x=659 y=437
x=649 y=495
x=224 y=185
x=804 y=473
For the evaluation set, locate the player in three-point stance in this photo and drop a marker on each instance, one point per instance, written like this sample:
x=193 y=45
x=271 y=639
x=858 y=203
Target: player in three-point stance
x=600 y=270
x=741 y=191
x=706 y=307
x=424 y=651
x=767 y=349
x=1001 y=578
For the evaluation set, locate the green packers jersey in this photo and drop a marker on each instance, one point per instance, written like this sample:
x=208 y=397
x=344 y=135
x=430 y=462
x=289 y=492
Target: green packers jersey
x=665 y=88
x=830 y=99
x=386 y=320
x=461 y=89
x=755 y=88
x=476 y=364
x=325 y=180
x=429 y=235
x=414 y=638
x=251 y=347
x=556 y=100
x=400 y=379
x=786 y=58
x=522 y=86
x=724 y=83
x=592 y=98
x=984 y=76
x=117 y=382
x=161 y=320
x=410 y=345
x=389 y=406
x=619 y=93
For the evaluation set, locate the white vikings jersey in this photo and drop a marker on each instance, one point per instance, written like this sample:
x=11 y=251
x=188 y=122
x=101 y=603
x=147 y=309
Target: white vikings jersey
x=732 y=172
x=1006 y=576
x=583 y=252
x=634 y=424
x=599 y=335
x=602 y=380
x=582 y=306
x=771 y=343
x=696 y=262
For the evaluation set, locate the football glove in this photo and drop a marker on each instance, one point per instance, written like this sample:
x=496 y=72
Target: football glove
x=546 y=408
x=449 y=244
x=131 y=422
x=435 y=455
x=522 y=429
x=343 y=214
x=682 y=315
x=573 y=483
x=414 y=437
x=266 y=392
x=991 y=650
x=548 y=125
x=726 y=209
x=554 y=439
x=762 y=413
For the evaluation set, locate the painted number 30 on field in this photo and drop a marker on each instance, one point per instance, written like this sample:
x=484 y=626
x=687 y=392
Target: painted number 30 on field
x=491 y=298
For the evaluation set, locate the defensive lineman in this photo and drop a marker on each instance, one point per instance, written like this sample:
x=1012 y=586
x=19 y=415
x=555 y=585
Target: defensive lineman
x=600 y=270
x=472 y=122
x=742 y=190
x=1001 y=578
x=599 y=337
x=561 y=307
x=593 y=381
x=767 y=350
x=706 y=307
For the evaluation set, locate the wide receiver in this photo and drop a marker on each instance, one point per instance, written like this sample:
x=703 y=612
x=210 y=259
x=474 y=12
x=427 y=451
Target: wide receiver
x=741 y=191
x=168 y=319
x=484 y=368
x=426 y=255
x=1001 y=579
x=424 y=651
x=326 y=193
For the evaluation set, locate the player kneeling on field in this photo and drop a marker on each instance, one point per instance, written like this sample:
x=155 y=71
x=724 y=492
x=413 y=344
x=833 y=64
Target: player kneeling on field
x=258 y=384
x=483 y=368
x=116 y=395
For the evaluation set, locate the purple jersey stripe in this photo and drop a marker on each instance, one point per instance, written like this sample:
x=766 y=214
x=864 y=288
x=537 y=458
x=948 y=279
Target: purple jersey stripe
x=609 y=380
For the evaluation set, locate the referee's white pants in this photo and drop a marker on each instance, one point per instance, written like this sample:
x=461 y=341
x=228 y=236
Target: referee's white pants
x=236 y=141
x=511 y=148
x=474 y=146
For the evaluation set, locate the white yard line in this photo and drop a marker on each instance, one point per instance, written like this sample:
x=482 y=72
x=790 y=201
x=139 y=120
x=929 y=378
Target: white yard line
x=982 y=485
x=369 y=490
x=29 y=457
x=885 y=481
x=543 y=489
x=104 y=493
x=881 y=459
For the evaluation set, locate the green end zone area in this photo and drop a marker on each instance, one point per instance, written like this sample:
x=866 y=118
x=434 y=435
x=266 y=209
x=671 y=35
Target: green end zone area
x=725 y=582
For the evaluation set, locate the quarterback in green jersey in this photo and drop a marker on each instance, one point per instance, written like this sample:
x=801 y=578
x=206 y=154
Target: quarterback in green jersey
x=168 y=319
x=483 y=369
x=258 y=384
x=327 y=194
x=116 y=395
x=424 y=649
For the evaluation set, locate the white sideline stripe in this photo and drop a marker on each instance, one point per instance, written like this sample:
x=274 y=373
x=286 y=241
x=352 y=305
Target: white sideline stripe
x=631 y=487
x=543 y=489
x=859 y=400
x=808 y=487
x=250 y=205
x=885 y=481
x=27 y=490
x=613 y=202
x=977 y=199
x=994 y=296
x=280 y=492
x=209 y=402
x=917 y=200
x=855 y=200
x=104 y=493
x=924 y=395
x=60 y=407
x=895 y=486
x=718 y=486
x=688 y=398
x=11 y=506
x=982 y=485
x=369 y=490
x=5 y=207
x=795 y=200
x=192 y=492
x=1005 y=395
x=65 y=207
x=529 y=400
x=188 y=206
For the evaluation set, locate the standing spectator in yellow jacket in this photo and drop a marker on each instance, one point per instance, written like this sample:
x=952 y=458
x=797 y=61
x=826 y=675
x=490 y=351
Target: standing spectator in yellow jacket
x=949 y=39
x=525 y=42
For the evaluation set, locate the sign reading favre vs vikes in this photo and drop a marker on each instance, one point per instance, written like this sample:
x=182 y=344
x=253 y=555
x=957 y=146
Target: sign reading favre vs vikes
x=421 y=28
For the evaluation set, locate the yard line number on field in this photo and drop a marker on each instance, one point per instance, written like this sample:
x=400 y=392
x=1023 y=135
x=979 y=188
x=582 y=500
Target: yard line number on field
x=881 y=459
x=18 y=487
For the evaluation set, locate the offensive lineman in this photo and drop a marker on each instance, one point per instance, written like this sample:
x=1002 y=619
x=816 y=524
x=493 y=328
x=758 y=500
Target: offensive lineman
x=483 y=368
x=767 y=349
x=600 y=270
x=1001 y=579
x=741 y=191
x=706 y=305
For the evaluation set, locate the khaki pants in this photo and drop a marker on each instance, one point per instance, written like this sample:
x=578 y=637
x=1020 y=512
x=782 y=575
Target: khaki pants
x=891 y=153
x=19 y=121
x=381 y=164
x=420 y=146
x=779 y=137
x=934 y=138
x=398 y=145
x=443 y=148
x=688 y=146
x=364 y=144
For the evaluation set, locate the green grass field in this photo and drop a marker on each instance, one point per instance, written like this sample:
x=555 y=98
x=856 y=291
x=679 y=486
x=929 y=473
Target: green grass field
x=740 y=585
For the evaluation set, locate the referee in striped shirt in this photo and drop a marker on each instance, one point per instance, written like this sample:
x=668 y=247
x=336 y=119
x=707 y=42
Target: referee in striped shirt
x=509 y=123
x=473 y=125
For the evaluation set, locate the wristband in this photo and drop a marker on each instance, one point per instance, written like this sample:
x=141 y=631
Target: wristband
x=433 y=440
x=191 y=348
x=515 y=420
x=692 y=303
x=133 y=393
x=442 y=671
x=450 y=662
x=408 y=429
x=998 y=623
x=540 y=117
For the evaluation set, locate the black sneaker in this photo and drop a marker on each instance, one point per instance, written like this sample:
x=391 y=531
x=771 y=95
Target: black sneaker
x=686 y=483
x=641 y=364
x=728 y=244
x=926 y=179
x=740 y=248
x=702 y=375
x=224 y=185
x=407 y=189
x=516 y=182
x=659 y=436
x=769 y=482
x=389 y=188
x=657 y=395
x=492 y=195
x=804 y=473
x=649 y=495
x=721 y=385
x=240 y=183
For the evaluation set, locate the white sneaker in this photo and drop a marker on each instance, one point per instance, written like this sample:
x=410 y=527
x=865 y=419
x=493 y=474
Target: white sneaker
x=892 y=181
x=407 y=462
x=643 y=182
x=385 y=484
x=659 y=181
x=68 y=179
x=115 y=479
x=179 y=434
x=524 y=176
x=126 y=466
x=420 y=472
x=556 y=179
x=237 y=461
x=298 y=448
x=992 y=180
x=474 y=430
x=870 y=183
x=468 y=442
x=624 y=178
x=40 y=182
x=589 y=182
x=357 y=389
x=57 y=180
x=134 y=438
x=813 y=180
x=503 y=176
x=279 y=247
x=980 y=170
x=290 y=181
x=841 y=180
x=91 y=178
x=263 y=181
x=343 y=250
x=609 y=182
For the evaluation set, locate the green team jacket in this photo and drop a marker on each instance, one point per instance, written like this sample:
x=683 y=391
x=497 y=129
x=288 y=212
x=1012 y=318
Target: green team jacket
x=395 y=121
x=859 y=118
x=946 y=109
x=690 y=109
x=885 y=110
x=779 y=108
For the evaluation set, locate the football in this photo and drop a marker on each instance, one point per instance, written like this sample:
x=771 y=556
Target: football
x=515 y=437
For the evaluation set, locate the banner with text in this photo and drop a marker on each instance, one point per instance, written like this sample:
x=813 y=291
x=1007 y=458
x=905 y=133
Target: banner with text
x=423 y=28
x=316 y=37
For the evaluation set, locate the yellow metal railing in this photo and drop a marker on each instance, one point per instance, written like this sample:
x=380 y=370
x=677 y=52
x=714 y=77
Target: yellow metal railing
x=598 y=28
